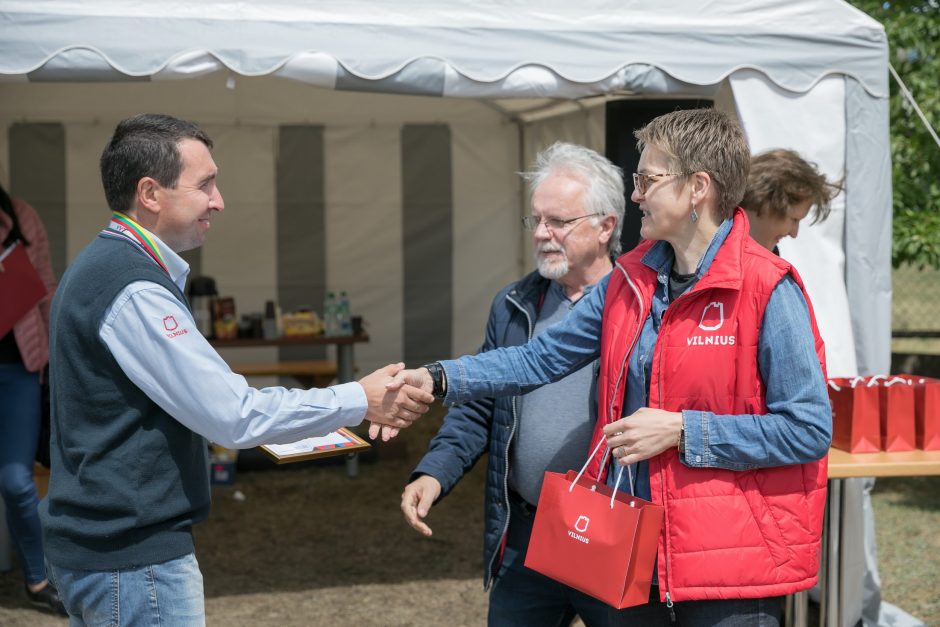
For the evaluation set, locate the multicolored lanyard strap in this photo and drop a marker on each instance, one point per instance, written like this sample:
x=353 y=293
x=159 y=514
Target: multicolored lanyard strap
x=123 y=226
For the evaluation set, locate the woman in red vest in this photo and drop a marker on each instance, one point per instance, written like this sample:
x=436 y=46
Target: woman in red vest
x=711 y=387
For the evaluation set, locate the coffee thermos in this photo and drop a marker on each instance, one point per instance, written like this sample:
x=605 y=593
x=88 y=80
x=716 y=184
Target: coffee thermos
x=202 y=295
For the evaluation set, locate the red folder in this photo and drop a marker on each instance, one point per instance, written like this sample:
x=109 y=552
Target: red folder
x=21 y=289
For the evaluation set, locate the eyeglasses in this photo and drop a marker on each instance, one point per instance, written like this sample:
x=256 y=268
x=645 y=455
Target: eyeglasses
x=552 y=224
x=642 y=182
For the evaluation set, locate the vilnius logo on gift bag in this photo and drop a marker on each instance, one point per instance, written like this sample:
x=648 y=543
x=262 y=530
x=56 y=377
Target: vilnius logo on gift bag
x=580 y=525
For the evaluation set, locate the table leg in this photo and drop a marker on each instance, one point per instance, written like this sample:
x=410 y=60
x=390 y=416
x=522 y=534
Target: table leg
x=344 y=363
x=344 y=374
x=798 y=609
x=830 y=602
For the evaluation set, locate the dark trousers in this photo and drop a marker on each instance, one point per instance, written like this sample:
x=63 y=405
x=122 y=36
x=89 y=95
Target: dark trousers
x=722 y=613
x=521 y=596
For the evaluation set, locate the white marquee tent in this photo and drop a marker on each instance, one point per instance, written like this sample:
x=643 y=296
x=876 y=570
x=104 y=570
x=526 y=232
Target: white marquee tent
x=413 y=117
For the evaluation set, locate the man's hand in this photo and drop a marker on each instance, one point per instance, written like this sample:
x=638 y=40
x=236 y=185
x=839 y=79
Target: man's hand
x=396 y=406
x=419 y=378
x=644 y=434
x=417 y=499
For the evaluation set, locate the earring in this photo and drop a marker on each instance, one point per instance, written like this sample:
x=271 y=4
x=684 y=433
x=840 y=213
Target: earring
x=694 y=214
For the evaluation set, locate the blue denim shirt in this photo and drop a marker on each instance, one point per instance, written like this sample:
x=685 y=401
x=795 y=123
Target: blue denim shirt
x=796 y=430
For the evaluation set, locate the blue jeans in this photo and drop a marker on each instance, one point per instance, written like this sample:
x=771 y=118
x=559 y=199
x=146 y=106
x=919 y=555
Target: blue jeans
x=722 y=613
x=19 y=435
x=521 y=596
x=168 y=594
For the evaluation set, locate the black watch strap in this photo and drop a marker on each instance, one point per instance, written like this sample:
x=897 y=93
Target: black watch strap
x=437 y=376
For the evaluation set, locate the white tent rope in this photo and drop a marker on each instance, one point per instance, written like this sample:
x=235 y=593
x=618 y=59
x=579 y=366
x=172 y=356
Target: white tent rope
x=910 y=98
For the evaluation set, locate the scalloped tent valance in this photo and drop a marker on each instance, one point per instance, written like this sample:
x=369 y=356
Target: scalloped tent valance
x=462 y=48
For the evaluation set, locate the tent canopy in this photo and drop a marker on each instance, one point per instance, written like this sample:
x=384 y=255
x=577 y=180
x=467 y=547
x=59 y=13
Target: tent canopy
x=804 y=74
x=463 y=48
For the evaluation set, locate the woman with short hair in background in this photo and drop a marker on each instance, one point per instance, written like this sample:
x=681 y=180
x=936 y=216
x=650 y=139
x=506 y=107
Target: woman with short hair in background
x=782 y=189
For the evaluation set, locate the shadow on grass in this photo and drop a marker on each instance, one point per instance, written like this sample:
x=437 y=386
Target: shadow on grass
x=315 y=528
x=922 y=493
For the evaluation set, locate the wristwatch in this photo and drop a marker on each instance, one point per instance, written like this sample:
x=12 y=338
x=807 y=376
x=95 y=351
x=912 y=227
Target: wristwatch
x=438 y=377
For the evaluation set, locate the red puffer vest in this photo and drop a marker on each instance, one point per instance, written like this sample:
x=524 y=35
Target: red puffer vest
x=727 y=534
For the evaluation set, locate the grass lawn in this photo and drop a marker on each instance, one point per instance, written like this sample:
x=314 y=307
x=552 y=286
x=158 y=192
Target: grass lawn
x=907 y=522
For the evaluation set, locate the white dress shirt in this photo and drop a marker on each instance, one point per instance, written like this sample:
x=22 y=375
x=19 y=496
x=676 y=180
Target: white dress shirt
x=154 y=339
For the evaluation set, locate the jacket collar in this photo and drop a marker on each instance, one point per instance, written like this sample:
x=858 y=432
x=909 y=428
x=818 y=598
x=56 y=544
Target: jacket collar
x=734 y=232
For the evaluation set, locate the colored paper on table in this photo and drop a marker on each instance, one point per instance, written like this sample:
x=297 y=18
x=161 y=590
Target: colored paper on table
x=20 y=285
x=337 y=443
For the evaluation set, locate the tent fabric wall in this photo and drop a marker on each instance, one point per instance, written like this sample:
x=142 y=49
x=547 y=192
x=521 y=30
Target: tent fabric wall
x=817 y=253
x=363 y=195
x=467 y=49
x=868 y=238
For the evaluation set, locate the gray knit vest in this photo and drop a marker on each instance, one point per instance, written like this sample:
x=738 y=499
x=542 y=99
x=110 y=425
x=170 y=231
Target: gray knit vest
x=127 y=481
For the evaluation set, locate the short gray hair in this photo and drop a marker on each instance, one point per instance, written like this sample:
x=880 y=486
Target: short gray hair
x=604 y=181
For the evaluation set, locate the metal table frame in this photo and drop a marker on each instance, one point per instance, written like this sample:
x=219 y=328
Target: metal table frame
x=836 y=592
x=344 y=362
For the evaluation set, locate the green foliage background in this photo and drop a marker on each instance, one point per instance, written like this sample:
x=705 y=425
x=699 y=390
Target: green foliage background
x=913 y=29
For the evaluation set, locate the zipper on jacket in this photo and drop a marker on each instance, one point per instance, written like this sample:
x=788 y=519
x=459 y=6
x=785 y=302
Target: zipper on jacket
x=672 y=611
x=662 y=477
x=636 y=338
x=512 y=432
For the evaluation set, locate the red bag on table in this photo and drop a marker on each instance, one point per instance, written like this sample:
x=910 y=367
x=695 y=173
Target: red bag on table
x=856 y=415
x=926 y=411
x=595 y=539
x=896 y=397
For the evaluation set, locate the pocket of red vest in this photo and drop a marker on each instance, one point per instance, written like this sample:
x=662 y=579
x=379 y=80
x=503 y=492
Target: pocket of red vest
x=764 y=517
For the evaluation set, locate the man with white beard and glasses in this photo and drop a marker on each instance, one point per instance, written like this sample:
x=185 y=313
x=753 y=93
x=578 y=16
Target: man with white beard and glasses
x=577 y=212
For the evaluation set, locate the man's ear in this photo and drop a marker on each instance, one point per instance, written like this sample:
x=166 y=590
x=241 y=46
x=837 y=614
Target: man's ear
x=148 y=190
x=607 y=228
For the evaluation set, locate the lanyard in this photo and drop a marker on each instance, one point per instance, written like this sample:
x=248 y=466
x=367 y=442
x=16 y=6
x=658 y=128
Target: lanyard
x=122 y=225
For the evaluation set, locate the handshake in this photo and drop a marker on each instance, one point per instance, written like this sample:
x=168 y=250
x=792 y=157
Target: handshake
x=397 y=397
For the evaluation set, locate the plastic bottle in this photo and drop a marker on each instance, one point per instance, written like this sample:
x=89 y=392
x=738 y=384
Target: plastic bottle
x=330 y=326
x=343 y=315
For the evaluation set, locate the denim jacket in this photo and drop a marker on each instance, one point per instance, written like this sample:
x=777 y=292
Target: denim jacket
x=796 y=430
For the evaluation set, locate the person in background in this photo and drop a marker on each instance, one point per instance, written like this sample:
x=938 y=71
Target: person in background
x=577 y=211
x=711 y=388
x=782 y=189
x=24 y=353
x=137 y=391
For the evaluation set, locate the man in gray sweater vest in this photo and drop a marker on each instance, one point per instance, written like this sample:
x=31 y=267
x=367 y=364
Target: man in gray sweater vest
x=577 y=209
x=136 y=391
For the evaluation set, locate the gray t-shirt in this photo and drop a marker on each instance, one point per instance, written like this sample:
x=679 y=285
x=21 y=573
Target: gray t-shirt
x=556 y=420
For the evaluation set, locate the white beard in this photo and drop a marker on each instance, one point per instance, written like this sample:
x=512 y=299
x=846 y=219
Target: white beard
x=552 y=269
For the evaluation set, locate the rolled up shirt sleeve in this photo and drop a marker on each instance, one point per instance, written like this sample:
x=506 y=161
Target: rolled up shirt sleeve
x=798 y=426
x=558 y=351
x=153 y=338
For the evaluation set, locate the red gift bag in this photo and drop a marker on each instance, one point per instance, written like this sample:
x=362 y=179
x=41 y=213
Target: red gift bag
x=926 y=411
x=856 y=415
x=594 y=539
x=896 y=397
x=20 y=285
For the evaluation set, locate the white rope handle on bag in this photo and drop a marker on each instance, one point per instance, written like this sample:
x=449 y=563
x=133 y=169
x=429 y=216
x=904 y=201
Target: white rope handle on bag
x=874 y=380
x=898 y=380
x=603 y=463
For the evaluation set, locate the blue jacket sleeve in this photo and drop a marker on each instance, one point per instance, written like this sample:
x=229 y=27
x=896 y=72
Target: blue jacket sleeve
x=464 y=434
x=558 y=351
x=798 y=426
